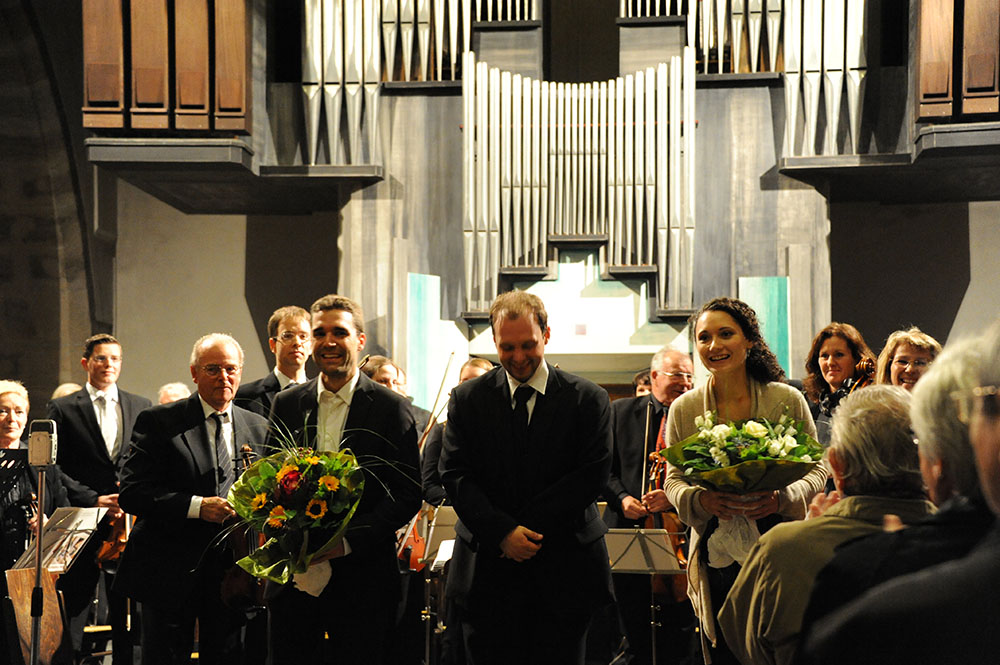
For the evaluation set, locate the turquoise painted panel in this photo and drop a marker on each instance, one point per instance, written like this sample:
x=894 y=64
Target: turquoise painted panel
x=769 y=298
x=423 y=313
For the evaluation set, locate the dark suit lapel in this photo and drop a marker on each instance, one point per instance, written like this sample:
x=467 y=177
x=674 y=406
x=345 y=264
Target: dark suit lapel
x=85 y=408
x=129 y=413
x=195 y=438
x=543 y=416
x=308 y=408
x=359 y=413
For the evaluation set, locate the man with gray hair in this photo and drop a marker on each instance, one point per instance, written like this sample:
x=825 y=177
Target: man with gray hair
x=631 y=499
x=175 y=479
x=949 y=613
x=876 y=471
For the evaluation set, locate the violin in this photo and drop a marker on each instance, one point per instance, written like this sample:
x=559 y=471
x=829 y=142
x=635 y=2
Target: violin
x=113 y=546
x=674 y=585
x=864 y=373
x=411 y=547
x=241 y=590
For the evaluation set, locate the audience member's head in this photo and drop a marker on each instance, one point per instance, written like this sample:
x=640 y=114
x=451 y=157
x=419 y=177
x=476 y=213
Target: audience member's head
x=64 y=389
x=872 y=450
x=13 y=412
x=382 y=370
x=671 y=375
x=472 y=368
x=171 y=392
x=946 y=460
x=640 y=383
x=905 y=357
x=983 y=409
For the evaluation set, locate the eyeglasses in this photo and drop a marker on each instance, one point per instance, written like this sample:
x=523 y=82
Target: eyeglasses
x=680 y=375
x=966 y=401
x=216 y=371
x=919 y=363
x=288 y=337
x=106 y=360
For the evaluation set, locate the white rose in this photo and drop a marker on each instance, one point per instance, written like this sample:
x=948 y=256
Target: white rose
x=774 y=448
x=699 y=422
x=755 y=429
x=806 y=458
x=720 y=432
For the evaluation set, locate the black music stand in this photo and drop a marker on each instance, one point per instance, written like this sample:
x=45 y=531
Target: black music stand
x=644 y=552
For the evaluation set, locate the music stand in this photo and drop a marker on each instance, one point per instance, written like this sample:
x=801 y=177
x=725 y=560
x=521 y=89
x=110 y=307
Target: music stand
x=63 y=537
x=644 y=552
x=440 y=529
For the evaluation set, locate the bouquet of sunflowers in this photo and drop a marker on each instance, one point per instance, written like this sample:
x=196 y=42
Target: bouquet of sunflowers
x=302 y=501
x=747 y=455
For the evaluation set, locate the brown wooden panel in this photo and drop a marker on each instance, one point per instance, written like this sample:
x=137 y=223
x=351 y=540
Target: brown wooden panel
x=981 y=57
x=936 y=31
x=103 y=64
x=54 y=644
x=191 y=65
x=150 y=65
x=232 y=66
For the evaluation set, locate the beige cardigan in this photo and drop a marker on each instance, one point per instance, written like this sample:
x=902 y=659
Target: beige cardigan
x=766 y=401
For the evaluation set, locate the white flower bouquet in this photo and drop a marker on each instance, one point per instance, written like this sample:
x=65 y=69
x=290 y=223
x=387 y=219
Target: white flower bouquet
x=747 y=455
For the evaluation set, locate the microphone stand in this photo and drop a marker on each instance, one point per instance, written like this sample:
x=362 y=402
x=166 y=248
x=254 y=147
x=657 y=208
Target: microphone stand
x=37 y=596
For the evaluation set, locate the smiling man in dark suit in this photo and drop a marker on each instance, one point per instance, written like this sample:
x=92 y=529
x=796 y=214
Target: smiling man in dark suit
x=290 y=340
x=174 y=479
x=352 y=597
x=94 y=427
x=527 y=451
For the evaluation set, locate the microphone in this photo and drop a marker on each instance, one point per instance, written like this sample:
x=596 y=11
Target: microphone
x=43 y=443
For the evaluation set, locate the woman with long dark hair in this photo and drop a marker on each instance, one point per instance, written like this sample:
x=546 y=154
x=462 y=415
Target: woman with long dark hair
x=745 y=381
x=833 y=371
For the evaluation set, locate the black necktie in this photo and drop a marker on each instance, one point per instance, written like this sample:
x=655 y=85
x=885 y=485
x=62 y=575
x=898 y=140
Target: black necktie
x=521 y=397
x=225 y=469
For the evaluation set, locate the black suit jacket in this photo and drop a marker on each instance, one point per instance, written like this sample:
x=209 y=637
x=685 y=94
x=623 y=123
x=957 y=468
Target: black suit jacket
x=169 y=463
x=381 y=432
x=549 y=486
x=948 y=613
x=628 y=419
x=258 y=396
x=83 y=455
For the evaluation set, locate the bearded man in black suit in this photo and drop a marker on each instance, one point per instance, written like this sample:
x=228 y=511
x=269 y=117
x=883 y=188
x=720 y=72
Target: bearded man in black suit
x=174 y=480
x=290 y=340
x=527 y=451
x=95 y=426
x=631 y=499
x=351 y=596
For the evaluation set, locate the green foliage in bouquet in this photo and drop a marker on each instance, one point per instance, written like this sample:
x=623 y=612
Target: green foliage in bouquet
x=747 y=455
x=302 y=501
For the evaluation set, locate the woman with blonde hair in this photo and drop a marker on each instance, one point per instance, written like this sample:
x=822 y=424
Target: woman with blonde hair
x=905 y=357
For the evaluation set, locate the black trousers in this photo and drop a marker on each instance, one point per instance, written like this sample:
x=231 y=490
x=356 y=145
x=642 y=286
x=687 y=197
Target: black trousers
x=168 y=628
x=520 y=627
x=356 y=610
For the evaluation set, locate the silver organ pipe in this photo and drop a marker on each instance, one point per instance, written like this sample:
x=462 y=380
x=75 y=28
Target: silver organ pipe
x=610 y=162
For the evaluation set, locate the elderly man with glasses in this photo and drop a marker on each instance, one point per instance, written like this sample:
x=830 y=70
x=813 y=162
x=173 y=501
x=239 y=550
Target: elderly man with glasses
x=174 y=480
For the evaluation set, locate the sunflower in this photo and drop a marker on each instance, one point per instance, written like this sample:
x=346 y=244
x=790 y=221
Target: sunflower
x=277 y=517
x=312 y=460
x=258 y=502
x=331 y=483
x=316 y=509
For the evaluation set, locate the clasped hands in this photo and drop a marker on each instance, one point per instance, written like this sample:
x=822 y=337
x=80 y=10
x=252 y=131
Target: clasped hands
x=520 y=544
x=753 y=505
